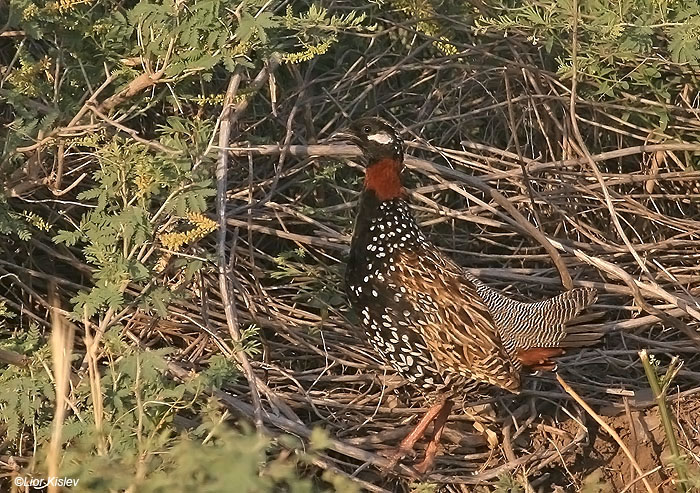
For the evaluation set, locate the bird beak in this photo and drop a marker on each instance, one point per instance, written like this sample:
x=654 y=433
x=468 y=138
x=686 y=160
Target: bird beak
x=342 y=136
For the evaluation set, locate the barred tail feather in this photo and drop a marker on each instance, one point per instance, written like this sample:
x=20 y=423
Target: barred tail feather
x=535 y=325
x=566 y=306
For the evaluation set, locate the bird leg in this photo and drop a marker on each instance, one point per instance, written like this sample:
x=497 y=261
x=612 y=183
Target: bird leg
x=407 y=444
x=431 y=451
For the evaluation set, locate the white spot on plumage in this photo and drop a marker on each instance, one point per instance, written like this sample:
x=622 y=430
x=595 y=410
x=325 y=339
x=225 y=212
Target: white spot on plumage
x=382 y=138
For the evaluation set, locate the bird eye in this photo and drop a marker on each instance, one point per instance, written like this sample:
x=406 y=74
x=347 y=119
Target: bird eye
x=367 y=129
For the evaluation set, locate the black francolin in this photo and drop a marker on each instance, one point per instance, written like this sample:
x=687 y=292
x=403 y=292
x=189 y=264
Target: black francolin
x=437 y=325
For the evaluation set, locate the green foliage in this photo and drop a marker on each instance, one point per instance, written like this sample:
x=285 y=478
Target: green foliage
x=688 y=476
x=191 y=43
x=4 y=313
x=24 y=342
x=249 y=342
x=12 y=223
x=123 y=219
x=142 y=186
x=319 y=439
x=139 y=445
x=507 y=484
x=316 y=31
x=26 y=394
x=594 y=483
x=220 y=370
x=138 y=190
x=340 y=484
x=629 y=45
x=424 y=13
x=424 y=488
x=134 y=188
x=321 y=290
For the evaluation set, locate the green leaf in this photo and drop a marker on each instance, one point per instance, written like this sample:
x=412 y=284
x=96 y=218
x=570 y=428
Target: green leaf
x=319 y=439
x=593 y=483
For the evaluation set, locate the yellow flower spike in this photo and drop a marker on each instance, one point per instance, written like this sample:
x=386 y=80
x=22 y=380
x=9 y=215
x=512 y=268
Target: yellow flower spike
x=202 y=227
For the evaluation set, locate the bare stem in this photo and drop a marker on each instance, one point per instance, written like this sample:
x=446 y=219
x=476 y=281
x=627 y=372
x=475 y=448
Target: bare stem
x=609 y=429
x=230 y=115
x=659 y=389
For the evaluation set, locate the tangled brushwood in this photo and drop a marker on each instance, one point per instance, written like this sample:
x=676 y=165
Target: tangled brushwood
x=173 y=231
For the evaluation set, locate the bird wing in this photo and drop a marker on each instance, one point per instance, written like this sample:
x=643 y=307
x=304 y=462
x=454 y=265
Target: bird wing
x=453 y=319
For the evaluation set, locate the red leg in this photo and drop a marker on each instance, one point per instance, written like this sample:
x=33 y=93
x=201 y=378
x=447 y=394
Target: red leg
x=407 y=444
x=431 y=451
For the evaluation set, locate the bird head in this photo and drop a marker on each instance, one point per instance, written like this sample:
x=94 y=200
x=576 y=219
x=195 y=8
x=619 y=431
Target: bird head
x=382 y=151
x=376 y=137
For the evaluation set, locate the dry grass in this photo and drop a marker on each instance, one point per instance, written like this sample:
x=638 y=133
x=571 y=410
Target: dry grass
x=477 y=192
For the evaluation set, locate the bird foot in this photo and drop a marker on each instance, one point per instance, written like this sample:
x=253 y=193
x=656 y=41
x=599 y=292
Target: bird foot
x=424 y=466
x=417 y=471
x=395 y=457
x=437 y=413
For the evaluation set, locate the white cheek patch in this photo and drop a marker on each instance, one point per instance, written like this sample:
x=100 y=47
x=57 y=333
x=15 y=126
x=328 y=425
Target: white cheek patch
x=381 y=138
